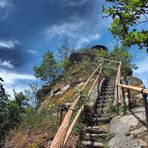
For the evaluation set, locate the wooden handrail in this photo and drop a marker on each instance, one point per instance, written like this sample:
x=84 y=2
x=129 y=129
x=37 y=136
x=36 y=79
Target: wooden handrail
x=142 y=90
x=82 y=108
x=96 y=80
x=60 y=135
x=110 y=67
x=114 y=61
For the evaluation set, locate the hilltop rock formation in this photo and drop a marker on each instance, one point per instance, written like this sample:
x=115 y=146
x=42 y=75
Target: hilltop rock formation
x=79 y=56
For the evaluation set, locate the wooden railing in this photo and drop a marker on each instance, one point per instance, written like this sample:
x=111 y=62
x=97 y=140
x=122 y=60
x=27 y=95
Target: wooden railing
x=64 y=129
x=144 y=92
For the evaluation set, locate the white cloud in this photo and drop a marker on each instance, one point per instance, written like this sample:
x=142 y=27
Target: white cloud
x=71 y=3
x=17 y=81
x=86 y=40
x=68 y=29
x=3 y=4
x=32 y=52
x=18 y=88
x=10 y=44
x=11 y=78
x=76 y=30
x=6 y=64
x=142 y=71
x=5 y=8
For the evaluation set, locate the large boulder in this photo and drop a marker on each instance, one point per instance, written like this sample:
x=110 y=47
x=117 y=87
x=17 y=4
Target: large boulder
x=76 y=57
x=99 y=47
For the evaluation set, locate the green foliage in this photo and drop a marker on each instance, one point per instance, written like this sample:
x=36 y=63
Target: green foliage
x=111 y=109
x=78 y=128
x=48 y=69
x=31 y=95
x=38 y=119
x=122 y=54
x=11 y=113
x=66 y=64
x=102 y=53
x=64 y=51
x=127 y=15
x=109 y=136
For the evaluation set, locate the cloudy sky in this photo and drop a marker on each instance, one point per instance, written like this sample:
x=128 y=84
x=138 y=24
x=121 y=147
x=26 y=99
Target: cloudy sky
x=28 y=28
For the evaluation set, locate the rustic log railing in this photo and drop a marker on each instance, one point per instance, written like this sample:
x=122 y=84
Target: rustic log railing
x=58 y=141
x=82 y=108
x=144 y=92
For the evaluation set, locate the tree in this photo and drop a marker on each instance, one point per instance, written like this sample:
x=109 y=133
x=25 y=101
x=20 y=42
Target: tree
x=48 y=69
x=11 y=112
x=122 y=54
x=127 y=15
x=64 y=50
x=31 y=94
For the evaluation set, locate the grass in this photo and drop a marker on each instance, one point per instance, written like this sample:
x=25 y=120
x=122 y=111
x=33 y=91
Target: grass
x=36 y=127
x=111 y=109
x=109 y=136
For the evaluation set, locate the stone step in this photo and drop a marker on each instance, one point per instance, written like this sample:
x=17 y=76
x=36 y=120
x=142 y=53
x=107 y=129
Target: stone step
x=92 y=144
x=94 y=136
x=103 y=101
x=102 y=111
x=102 y=128
x=101 y=105
x=108 y=86
x=94 y=131
x=111 y=82
x=102 y=120
x=105 y=97
x=107 y=89
x=107 y=93
x=99 y=115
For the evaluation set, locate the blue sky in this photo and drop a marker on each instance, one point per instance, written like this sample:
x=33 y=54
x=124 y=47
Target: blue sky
x=28 y=28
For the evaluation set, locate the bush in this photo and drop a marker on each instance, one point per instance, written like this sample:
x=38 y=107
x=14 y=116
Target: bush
x=111 y=109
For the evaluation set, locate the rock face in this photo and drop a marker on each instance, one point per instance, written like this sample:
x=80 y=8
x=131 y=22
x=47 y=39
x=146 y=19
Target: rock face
x=132 y=98
x=77 y=57
x=99 y=47
x=127 y=129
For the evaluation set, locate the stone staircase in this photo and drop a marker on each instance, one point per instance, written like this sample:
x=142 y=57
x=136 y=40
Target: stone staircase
x=96 y=132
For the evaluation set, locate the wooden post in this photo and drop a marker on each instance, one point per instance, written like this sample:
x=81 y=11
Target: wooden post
x=117 y=101
x=124 y=103
x=61 y=116
x=117 y=88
